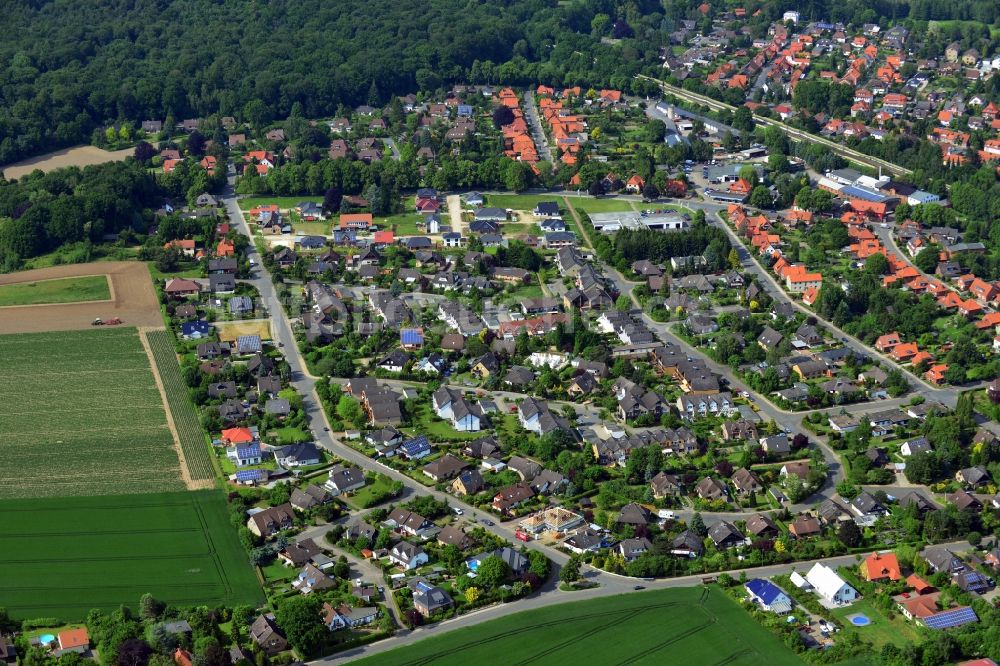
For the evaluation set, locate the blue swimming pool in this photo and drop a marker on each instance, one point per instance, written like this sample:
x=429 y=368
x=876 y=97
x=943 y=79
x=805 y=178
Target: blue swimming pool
x=860 y=620
x=45 y=639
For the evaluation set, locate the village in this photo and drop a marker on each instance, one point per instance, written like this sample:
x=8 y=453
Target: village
x=487 y=346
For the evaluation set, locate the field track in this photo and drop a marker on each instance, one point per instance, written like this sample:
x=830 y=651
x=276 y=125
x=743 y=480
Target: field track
x=133 y=299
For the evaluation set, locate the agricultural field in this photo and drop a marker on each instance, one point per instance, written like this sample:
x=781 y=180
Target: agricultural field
x=194 y=448
x=80 y=156
x=82 y=416
x=681 y=625
x=62 y=290
x=61 y=557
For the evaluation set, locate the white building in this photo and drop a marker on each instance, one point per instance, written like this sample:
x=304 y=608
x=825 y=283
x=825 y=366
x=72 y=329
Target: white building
x=791 y=16
x=829 y=585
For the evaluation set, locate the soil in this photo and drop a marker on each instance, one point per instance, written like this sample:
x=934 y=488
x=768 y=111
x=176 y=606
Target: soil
x=133 y=299
x=80 y=156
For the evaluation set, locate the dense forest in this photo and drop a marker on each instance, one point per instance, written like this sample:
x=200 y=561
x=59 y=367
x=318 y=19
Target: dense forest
x=73 y=205
x=71 y=67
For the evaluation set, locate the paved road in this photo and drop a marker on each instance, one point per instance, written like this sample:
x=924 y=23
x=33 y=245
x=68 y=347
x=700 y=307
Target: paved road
x=391 y=144
x=620 y=585
x=534 y=121
x=317 y=422
x=947 y=396
x=791 y=132
x=361 y=568
x=305 y=385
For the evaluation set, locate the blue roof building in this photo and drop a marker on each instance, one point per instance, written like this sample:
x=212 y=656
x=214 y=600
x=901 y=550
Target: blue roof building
x=251 y=475
x=769 y=596
x=411 y=337
x=416 y=448
x=955 y=617
x=195 y=329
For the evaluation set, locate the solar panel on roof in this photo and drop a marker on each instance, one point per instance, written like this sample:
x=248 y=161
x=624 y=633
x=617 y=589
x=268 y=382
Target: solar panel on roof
x=951 y=618
x=249 y=475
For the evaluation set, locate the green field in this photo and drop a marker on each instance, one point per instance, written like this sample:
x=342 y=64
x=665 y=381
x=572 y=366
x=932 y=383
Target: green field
x=521 y=201
x=405 y=224
x=592 y=205
x=189 y=430
x=82 y=416
x=675 y=626
x=283 y=203
x=61 y=557
x=62 y=290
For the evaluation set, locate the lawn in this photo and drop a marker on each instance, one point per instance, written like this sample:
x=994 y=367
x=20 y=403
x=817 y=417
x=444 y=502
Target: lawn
x=63 y=290
x=882 y=630
x=283 y=203
x=520 y=201
x=682 y=625
x=425 y=423
x=62 y=556
x=516 y=229
x=362 y=498
x=592 y=205
x=405 y=224
x=82 y=416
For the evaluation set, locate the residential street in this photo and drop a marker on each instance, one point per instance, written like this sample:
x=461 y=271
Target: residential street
x=610 y=585
x=535 y=127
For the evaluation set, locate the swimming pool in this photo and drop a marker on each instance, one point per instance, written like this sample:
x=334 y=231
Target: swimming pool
x=45 y=639
x=859 y=620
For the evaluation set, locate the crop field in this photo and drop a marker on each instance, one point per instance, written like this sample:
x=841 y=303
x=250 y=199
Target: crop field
x=194 y=448
x=673 y=626
x=82 y=416
x=62 y=290
x=61 y=557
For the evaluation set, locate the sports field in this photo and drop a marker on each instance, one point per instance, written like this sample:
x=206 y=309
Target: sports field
x=676 y=626
x=82 y=416
x=63 y=290
x=60 y=557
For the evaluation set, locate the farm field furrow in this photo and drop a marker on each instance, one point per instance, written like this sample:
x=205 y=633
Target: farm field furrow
x=83 y=416
x=189 y=430
x=62 y=556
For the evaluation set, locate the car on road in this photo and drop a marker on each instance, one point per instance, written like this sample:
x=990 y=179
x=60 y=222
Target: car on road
x=325 y=429
x=457 y=510
x=639 y=587
x=487 y=522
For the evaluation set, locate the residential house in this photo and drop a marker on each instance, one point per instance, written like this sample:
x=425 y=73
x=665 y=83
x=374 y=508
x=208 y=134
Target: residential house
x=725 y=535
x=768 y=596
x=408 y=556
x=309 y=497
x=829 y=585
x=272 y=520
x=267 y=635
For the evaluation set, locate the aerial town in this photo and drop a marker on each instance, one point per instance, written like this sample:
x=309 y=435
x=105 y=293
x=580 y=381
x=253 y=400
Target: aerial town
x=708 y=355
